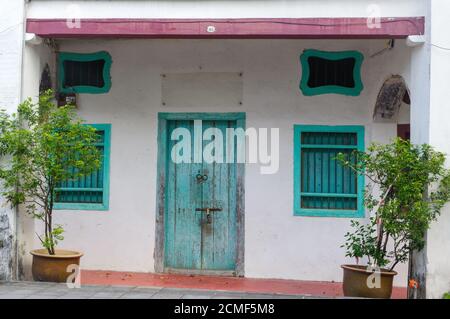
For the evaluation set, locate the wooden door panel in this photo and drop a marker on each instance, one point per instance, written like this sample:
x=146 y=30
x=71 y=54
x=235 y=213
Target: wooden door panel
x=191 y=241
x=219 y=236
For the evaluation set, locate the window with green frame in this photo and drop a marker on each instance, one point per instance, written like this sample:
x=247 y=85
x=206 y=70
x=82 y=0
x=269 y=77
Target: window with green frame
x=331 y=72
x=90 y=192
x=322 y=186
x=84 y=72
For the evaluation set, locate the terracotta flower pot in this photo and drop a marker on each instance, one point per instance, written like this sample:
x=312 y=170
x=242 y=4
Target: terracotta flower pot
x=356 y=282
x=53 y=268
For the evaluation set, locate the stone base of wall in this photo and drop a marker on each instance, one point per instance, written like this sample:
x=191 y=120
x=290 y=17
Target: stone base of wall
x=6 y=247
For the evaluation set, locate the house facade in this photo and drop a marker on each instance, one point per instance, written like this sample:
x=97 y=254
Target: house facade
x=303 y=78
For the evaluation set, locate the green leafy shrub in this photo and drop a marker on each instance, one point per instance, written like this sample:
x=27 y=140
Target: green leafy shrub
x=41 y=146
x=413 y=186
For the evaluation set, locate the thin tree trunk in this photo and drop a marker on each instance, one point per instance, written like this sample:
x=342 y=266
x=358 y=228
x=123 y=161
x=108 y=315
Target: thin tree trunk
x=46 y=222
x=385 y=243
x=380 y=237
x=50 y=234
x=50 y=216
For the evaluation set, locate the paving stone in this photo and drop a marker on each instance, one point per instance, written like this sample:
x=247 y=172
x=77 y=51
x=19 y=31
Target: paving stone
x=82 y=289
x=186 y=290
x=11 y=291
x=147 y=289
x=23 y=291
x=317 y=297
x=136 y=295
x=15 y=283
x=197 y=296
x=288 y=297
x=192 y=294
x=13 y=297
x=228 y=295
x=26 y=290
x=116 y=290
x=164 y=294
x=18 y=293
x=4 y=290
x=55 y=292
x=105 y=297
x=260 y=296
x=36 y=286
x=111 y=293
x=39 y=290
x=40 y=296
x=90 y=288
x=224 y=297
x=47 y=285
x=74 y=296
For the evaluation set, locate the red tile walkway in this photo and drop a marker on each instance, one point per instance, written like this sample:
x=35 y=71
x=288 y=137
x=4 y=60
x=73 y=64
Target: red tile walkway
x=313 y=288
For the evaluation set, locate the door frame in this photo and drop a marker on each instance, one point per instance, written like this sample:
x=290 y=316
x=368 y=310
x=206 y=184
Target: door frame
x=163 y=118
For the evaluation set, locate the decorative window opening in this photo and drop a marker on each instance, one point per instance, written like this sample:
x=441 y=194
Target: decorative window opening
x=392 y=95
x=84 y=73
x=331 y=72
x=90 y=192
x=322 y=186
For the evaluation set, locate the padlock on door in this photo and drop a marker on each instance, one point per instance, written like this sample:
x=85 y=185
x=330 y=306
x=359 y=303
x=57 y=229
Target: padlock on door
x=208 y=211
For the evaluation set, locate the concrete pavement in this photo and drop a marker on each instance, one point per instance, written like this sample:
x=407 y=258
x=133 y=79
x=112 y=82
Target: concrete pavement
x=40 y=290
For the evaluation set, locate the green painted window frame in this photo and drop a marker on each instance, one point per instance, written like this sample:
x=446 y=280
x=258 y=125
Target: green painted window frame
x=298 y=210
x=331 y=89
x=84 y=57
x=106 y=128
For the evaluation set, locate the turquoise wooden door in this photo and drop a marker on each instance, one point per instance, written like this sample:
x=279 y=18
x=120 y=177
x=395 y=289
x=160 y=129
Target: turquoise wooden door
x=200 y=217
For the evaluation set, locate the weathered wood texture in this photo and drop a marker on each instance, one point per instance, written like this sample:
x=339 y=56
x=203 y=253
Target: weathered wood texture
x=186 y=240
x=194 y=240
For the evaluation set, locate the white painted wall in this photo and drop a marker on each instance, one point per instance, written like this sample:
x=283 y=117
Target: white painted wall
x=11 y=43
x=429 y=124
x=225 y=9
x=277 y=244
x=438 y=252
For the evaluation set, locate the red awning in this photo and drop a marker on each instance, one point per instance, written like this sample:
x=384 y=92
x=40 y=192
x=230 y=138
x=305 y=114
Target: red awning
x=315 y=28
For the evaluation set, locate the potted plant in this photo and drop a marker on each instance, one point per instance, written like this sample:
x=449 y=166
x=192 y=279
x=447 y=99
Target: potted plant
x=43 y=145
x=408 y=186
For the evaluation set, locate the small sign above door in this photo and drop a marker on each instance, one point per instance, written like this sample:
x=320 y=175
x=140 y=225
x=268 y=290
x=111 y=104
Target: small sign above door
x=202 y=89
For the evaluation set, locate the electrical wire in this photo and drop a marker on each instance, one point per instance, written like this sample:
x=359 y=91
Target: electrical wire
x=10 y=27
x=440 y=47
